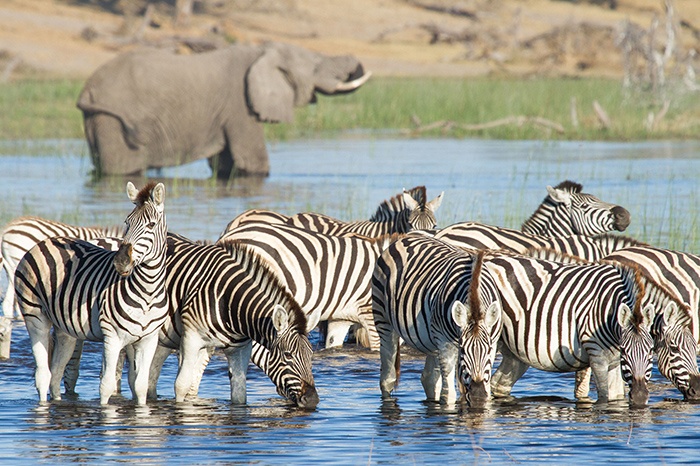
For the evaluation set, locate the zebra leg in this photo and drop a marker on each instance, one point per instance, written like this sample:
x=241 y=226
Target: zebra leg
x=62 y=352
x=72 y=370
x=205 y=355
x=190 y=345
x=140 y=365
x=583 y=384
x=616 y=386
x=336 y=332
x=110 y=357
x=431 y=378
x=509 y=371
x=448 y=367
x=39 y=329
x=161 y=354
x=600 y=369
x=238 y=360
x=389 y=356
x=8 y=302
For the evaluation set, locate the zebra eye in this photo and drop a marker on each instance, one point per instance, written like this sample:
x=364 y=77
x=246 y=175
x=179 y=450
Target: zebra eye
x=287 y=355
x=151 y=225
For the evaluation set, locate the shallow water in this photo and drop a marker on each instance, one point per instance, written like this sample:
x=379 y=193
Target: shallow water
x=492 y=181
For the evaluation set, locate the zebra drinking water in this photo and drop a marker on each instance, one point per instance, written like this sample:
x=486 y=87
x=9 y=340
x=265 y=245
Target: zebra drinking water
x=422 y=292
x=88 y=293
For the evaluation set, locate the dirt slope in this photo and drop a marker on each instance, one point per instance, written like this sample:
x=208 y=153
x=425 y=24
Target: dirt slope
x=392 y=37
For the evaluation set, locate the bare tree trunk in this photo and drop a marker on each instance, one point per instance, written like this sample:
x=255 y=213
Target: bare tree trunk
x=183 y=12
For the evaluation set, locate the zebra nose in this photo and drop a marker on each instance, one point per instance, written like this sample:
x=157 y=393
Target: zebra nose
x=122 y=260
x=639 y=393
x=622 y=218
x=478 y=393
x=693 y=391
x=309 y=397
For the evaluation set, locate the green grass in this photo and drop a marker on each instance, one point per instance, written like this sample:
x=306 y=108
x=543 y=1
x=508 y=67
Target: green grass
x=35 y=109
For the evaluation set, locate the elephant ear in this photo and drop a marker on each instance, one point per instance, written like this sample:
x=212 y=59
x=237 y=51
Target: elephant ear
x=270 y=94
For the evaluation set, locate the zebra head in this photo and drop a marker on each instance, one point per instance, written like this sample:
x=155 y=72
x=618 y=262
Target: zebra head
x=676 y=350
x=145 y=228
x=421 y=214
x=289 y=363
x=636 y=345
x=568 y=211
x=480 y=325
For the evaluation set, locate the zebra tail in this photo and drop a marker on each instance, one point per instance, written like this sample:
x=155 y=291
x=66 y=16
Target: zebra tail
x=397 y=367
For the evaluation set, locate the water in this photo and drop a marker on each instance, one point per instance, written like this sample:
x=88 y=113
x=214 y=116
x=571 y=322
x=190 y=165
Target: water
x=492 y=181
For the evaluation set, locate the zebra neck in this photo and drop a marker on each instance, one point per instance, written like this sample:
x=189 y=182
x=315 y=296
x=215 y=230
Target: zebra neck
x=548 y=220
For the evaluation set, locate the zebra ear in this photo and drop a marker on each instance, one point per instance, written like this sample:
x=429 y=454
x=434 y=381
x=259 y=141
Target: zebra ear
x=411 y=204
x=648 y=314
x=673 y=315
x=435 y=203
x=493 y=313
x=131 y=191
x=158 y=195
x=624 y=315
x=312 y=320
x=460 y=314
x=280 y=318
x=559 y=195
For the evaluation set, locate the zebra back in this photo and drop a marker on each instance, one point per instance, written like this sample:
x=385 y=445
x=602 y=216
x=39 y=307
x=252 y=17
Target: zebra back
x=23 y=233
x=568 y=211
x=255 y=216
x=326 y=272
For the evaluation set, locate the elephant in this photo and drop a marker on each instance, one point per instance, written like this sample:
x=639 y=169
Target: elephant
x=151 y=108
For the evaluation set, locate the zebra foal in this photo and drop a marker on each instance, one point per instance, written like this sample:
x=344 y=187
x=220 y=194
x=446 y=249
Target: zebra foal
x=88 y=293
x=423 y=291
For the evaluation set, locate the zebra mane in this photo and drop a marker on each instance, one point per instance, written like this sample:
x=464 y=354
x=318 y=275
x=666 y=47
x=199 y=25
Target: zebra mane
x=554 y=256
x=257 y=266
x=615 y=241
x=395 y=205
x=477 y=312
x=571 y=186
x=145 y=193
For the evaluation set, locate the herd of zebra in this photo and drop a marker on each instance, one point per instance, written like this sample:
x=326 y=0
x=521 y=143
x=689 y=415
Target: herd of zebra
x=563 y=294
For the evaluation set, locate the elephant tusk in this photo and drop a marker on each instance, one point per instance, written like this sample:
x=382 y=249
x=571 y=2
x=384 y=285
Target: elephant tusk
x=354 y=84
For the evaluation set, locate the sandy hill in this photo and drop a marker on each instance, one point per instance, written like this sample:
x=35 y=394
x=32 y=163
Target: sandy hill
x=71 y=38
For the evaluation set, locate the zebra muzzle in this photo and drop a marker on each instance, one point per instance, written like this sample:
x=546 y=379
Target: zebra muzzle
x=308 y=398
x=692 y=393
x=122 y=260
x=622 y=218
x=639 y=393
x=478 y=393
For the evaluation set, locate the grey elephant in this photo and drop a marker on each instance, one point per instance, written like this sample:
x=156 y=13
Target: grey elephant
x=152 y=108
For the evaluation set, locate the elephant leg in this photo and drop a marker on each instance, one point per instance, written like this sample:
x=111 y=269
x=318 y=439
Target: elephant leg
x=245 y=153
x=110 y=152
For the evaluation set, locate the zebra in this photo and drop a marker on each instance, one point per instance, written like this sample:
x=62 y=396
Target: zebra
x=563 y=316
x=89 y=293
x=225 y=296
x=475 y=235
x=676 y=347
x=332 y=273
x=422 y=291
x=566 y=210
x=23 y=233
x=400 y=214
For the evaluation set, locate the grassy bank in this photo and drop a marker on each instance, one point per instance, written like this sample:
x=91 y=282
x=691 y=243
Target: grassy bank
x=419 y=107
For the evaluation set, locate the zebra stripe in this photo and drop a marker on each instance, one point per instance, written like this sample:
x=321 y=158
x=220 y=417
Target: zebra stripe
x=676 y=336
x=23 y=233
x=330 y=273
x=229 y=298
x=88 y=293
x=476 y=235
x=563 y=317
x=568 y=211
x=421 y=292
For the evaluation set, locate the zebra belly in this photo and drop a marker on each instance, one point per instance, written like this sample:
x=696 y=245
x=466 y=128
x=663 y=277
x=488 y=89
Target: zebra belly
x=549 y=356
